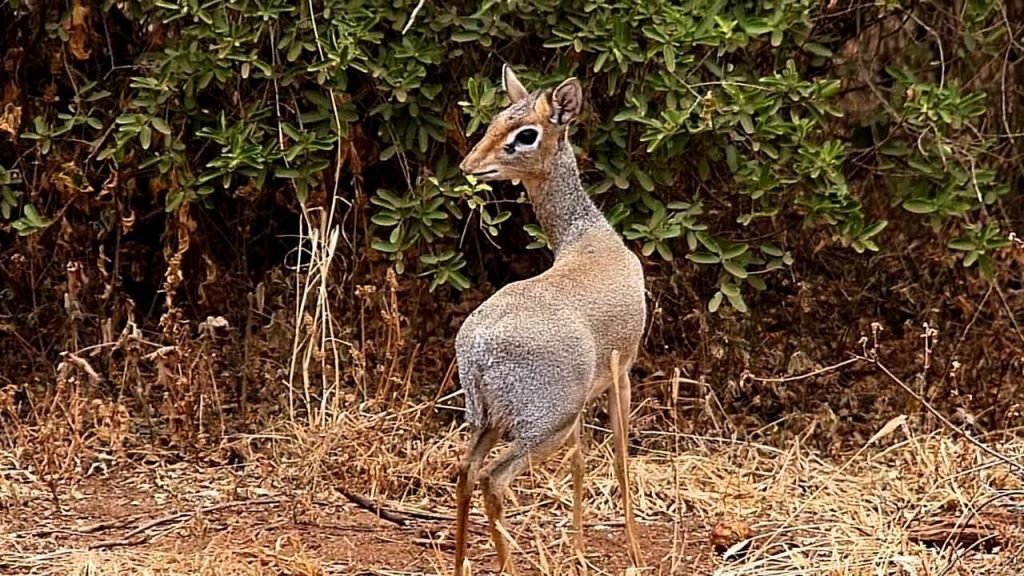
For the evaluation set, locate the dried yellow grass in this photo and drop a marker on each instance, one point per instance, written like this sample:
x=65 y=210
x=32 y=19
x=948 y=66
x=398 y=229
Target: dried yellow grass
x=810 y=514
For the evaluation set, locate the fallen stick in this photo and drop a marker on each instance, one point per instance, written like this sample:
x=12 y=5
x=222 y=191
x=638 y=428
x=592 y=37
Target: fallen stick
x=365 y=503
x=130 y=539
x=87 y=529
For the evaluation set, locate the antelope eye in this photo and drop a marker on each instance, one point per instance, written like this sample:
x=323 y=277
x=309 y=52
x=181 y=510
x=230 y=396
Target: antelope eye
x=526 y=137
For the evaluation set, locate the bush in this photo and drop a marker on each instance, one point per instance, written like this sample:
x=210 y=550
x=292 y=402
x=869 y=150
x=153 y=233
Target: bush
x=713 y=124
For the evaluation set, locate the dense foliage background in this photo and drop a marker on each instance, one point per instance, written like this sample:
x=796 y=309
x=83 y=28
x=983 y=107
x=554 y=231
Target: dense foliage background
x=201 y=201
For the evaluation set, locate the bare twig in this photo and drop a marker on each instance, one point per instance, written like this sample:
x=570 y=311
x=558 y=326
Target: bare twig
x=964 y=523
x=83 y=365
x=378 y=510
x=1009 y=311
x=88 y=529
x=833 y=367
x=1013 y=464
x=135 y=537
x=412 y=17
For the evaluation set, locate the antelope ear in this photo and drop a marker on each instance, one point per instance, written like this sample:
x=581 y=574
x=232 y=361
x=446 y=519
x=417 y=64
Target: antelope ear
x=512 y=86
x=566 y=102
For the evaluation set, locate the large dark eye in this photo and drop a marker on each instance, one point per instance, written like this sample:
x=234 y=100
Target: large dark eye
x=526 y=137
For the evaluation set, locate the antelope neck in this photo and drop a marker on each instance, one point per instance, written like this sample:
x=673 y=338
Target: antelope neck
x=565 y=211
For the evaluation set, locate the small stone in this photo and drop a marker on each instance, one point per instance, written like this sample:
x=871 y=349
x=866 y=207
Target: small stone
x=727 y=534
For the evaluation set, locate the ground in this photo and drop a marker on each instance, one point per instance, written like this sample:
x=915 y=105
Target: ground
x=188 y=521
x=927 y=504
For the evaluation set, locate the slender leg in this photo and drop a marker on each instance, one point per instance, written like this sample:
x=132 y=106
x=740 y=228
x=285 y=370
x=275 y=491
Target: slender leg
x=618 y=408
x=494 y=482
x=577 y=488
x=479 y=445
x=493 y=497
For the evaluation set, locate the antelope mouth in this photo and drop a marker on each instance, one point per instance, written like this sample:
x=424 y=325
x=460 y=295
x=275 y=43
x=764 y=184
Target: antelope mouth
x=484 y=173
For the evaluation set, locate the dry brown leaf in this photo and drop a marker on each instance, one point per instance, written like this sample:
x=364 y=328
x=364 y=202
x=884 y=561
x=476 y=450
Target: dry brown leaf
x=79 y=31
x=10 y=119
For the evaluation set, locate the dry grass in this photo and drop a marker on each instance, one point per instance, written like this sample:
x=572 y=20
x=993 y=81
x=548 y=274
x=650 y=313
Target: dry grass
x=906 y=502
x=859 y=514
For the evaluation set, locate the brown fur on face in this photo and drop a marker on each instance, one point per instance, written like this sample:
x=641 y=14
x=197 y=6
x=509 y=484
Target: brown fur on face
x=491 y=159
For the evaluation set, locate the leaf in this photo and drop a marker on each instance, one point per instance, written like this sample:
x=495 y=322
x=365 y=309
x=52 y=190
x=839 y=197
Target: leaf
x=601 y=187
x=921 y=166
x=818 y=49
x=730 y=158
x=703 y=168
x=287 y=173
x=734 y=251
x=384 y=219
x=387 y=198
x=747 y=123
x=738 y=303
x=383 y=246
x=458 y=280
x=987 y=267
x=755 y=26
x=173 y=200
x=919 y=206
x=874 y=229
x=670 y=57
x=961 y=244
x=161 y=126
x=708 y=242
x=734 y=268
x=664 y=251
x=145 y=137
x=423 y=140
x=703 y=258
x=715 y=302
x=465 y=36
x=729 y=289
x=32 y=216
x=644 y=180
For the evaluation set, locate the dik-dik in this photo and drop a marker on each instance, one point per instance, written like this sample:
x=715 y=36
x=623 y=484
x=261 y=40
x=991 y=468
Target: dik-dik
x=532 y=356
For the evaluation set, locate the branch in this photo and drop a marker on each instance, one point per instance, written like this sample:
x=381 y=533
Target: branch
x=412 y=17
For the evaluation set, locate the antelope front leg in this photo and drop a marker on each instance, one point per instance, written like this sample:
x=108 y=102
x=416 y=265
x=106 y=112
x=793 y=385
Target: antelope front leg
x=618 y=407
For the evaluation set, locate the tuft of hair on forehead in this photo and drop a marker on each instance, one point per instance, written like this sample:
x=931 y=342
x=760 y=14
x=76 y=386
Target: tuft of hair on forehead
x=520 y=109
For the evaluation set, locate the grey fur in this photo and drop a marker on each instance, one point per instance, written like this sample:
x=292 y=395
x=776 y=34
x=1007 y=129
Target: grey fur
x=532 y=355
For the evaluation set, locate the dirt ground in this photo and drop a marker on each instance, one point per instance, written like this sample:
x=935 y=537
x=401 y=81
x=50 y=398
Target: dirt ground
x=300 y=501
x=186 y=520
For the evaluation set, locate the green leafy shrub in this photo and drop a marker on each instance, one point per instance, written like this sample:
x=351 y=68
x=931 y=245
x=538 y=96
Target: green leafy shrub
x=712 y=126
